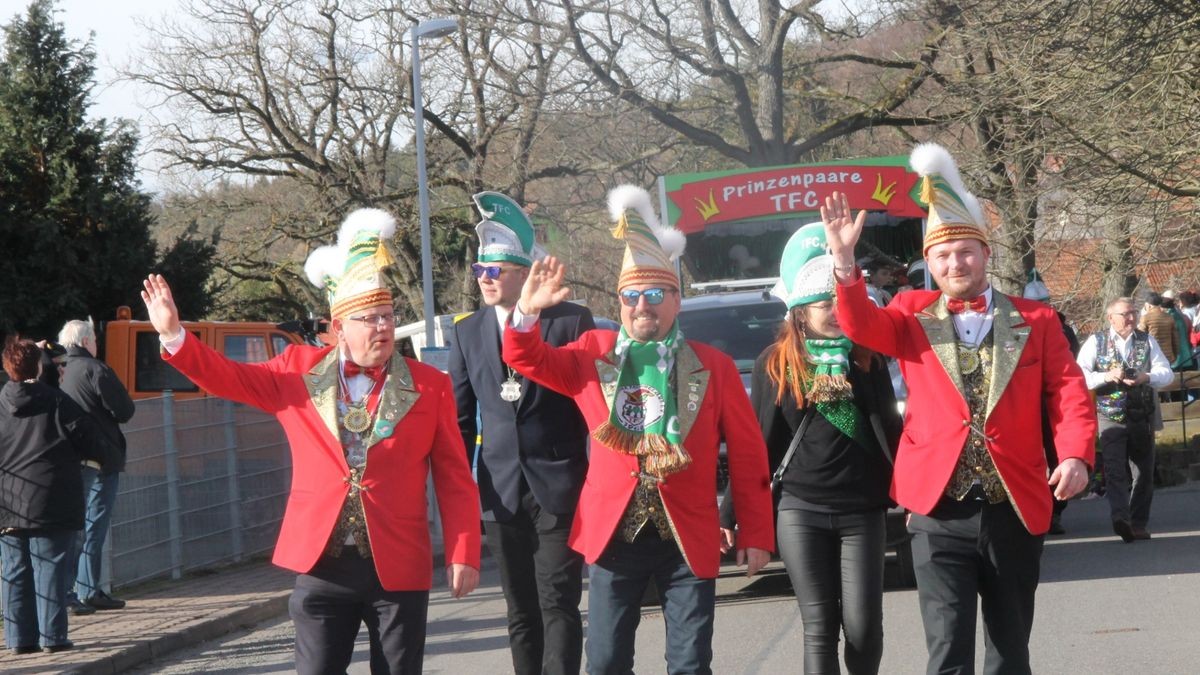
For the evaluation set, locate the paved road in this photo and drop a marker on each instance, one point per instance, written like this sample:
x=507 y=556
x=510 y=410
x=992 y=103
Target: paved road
x=1103 y=607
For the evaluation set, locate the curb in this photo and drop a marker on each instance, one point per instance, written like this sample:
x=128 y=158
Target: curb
x=214 y=626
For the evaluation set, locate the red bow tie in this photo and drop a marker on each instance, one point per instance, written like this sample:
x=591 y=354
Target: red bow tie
x=352 y=369
x=975 y=304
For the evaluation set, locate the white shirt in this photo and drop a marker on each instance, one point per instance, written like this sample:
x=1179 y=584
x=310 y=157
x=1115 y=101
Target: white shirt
x=973 y=326
x=1160 y=369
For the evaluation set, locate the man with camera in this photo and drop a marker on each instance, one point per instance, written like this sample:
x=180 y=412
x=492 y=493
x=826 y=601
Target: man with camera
x=1124 y=366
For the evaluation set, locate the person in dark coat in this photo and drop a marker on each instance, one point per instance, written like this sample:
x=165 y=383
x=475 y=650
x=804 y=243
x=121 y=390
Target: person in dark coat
x=96 y=388
x=533 y=452
x=815 y=388
x=44 y=436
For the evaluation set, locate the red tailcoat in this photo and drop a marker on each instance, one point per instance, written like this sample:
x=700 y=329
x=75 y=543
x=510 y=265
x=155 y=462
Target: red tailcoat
x=1032 y=371
x=713 y=407
x=299 y=387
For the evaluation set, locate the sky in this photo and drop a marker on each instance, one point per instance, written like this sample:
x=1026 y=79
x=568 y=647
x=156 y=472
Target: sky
x=117 y=35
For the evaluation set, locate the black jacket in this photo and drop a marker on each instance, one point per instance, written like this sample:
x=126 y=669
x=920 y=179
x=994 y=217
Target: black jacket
x=97 y=389
x=43 y=438
x=542 y=438
x=829 y=472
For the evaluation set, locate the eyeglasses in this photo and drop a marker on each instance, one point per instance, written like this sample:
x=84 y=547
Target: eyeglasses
x=1130 y=314
x=653 y=296
x=375 y=320
x=492 y=272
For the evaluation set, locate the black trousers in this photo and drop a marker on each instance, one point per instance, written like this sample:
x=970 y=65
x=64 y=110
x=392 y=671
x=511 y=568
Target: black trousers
x=835 y=562
x=1128 y=452
x=542 y=580
x=971 y=551
x=338 y=595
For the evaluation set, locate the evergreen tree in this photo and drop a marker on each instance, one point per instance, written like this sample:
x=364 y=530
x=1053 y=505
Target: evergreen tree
x=74 y=224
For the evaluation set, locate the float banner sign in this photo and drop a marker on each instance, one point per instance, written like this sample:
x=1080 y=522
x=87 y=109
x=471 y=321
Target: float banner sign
x=874 y=184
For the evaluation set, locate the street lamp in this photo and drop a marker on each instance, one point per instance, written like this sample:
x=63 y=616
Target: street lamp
x=431 y=28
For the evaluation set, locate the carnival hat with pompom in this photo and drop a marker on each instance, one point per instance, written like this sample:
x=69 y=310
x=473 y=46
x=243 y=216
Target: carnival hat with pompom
x=351 y=272
x=650 y=249
x=954 y=213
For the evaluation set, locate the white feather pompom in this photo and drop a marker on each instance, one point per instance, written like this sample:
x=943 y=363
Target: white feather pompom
x=929 y=159
x=624 y=197
x=322 y=263
x=376 y=220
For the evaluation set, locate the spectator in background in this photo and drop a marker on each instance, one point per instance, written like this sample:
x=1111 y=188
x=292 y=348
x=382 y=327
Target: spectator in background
x=53 y=355
x=1159 y=323
x=1184 y=360
x=43 y=437
x=1189 y=302
x=1123 y=366
x=97 y=389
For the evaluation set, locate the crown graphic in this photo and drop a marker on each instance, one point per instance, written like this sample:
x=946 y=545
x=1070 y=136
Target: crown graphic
x=707 y=209
x=882 y=194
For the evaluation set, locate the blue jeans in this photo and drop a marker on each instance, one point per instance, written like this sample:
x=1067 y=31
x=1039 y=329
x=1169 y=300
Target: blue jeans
x=99 y=495
x=616 y=583
x=36 y=575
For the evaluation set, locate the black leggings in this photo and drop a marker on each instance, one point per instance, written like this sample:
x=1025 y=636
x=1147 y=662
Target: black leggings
x=835 y=562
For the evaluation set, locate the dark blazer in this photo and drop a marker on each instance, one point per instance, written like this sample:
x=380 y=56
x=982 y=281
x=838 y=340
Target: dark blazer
x=541 y=437
x=43 y=438
x=97 y=389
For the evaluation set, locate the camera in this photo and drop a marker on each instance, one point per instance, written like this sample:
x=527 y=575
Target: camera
x=1130 y=373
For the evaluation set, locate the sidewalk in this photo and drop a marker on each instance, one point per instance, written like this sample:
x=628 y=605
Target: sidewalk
x=162 y=617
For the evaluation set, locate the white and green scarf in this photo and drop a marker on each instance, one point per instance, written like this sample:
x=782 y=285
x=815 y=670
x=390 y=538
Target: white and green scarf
x=644 y=420
x=830 y=390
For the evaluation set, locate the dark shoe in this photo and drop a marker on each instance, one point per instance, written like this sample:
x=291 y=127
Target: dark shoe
x=1140 y=534
x=77 y=608
x=53 y=649
x=1056 y=526
x=102 y=600
x=28 y=649
x=1124 y=530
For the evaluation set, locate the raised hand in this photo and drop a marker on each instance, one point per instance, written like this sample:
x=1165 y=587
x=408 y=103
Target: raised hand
x=841 y=231
x=544 y=286
x=160 y=305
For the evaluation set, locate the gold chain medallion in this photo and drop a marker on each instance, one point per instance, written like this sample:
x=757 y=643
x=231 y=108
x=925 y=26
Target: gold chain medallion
x=357 y=419
x=968 y=360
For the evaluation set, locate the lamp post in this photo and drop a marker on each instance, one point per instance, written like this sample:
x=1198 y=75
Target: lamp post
x=432 y=28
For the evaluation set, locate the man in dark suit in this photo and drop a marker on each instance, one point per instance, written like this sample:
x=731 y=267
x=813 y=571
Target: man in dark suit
x=533 y=451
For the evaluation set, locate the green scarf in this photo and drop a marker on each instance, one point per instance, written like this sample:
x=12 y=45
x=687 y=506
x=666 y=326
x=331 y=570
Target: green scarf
x=829 y=389
x=644 y=420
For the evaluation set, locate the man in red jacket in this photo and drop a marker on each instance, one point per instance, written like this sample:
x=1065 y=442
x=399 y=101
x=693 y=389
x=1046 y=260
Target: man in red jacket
x=366 y=428
x=658 y=407
x=979 y=366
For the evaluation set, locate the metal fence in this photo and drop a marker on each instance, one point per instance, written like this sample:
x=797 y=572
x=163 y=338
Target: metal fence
x=206 y=482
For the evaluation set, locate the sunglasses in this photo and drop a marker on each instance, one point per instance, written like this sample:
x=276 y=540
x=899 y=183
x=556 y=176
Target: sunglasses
x=492 y=272
x=653 y=296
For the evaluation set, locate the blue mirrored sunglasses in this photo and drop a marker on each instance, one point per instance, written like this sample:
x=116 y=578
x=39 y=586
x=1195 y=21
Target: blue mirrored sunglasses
x=491 y=271
x=654 y=296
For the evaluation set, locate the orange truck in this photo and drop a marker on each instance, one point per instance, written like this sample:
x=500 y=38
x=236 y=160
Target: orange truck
x=131 y=348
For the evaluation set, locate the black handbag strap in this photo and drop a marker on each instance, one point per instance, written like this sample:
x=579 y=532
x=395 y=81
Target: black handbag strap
x=787 y=458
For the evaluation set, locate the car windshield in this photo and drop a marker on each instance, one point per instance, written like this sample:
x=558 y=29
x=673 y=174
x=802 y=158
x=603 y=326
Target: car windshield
x=741 y=331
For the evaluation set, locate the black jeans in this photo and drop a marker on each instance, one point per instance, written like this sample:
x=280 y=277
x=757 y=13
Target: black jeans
x=969 y=555
x=542 y=580
x=835 y=562
x=340 y=594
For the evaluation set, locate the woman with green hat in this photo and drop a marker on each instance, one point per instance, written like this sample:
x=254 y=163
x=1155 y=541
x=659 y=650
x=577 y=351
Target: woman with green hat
x=829 y=417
